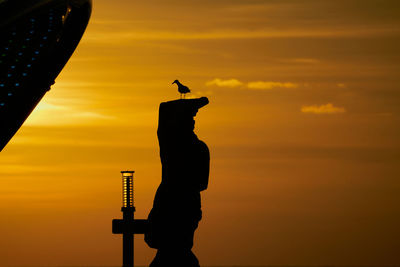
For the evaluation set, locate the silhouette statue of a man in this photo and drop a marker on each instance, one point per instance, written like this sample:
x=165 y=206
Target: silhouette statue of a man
x=185 y=163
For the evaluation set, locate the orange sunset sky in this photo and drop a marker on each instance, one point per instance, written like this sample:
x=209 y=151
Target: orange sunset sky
x=303 y=128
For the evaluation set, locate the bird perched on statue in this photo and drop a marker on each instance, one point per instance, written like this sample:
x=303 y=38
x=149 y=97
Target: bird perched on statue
x=182 y=89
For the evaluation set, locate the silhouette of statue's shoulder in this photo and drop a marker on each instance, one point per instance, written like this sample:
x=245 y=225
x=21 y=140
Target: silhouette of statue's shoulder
x=203 y=167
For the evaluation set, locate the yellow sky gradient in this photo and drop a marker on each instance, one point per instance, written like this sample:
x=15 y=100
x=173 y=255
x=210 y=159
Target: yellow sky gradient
x=302 y=126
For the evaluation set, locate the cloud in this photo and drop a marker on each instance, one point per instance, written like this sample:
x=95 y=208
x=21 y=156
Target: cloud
x=323 y=109
x=260 y=85
x=94 y=115
x=224 y=83
x=119 y=37
x=302 y=60
x=57 y=113
x=256 y=85
x=48 y=106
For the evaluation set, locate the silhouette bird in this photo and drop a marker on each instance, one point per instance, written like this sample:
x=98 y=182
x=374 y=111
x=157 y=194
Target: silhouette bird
x=181 y=88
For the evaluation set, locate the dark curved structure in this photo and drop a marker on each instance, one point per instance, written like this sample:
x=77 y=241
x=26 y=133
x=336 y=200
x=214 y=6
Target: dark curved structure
x=37 y=39
x=185 y=163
